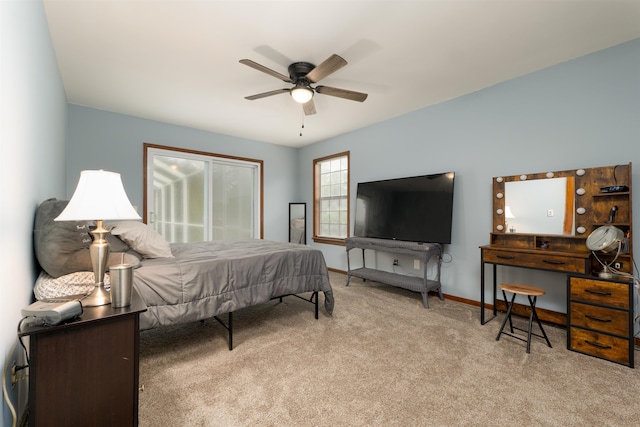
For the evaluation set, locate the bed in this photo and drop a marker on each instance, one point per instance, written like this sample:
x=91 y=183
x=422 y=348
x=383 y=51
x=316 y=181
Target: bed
x=179 y=282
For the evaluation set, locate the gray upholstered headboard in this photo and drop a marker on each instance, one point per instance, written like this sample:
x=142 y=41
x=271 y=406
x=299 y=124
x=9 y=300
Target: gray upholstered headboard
x=62 y=247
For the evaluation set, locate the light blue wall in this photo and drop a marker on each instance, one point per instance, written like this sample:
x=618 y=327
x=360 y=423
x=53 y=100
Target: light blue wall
x=582 y=113
x=104 y=140
x=33 y=123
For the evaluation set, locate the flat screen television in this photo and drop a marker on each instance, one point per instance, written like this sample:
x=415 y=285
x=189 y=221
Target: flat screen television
x=414 y=209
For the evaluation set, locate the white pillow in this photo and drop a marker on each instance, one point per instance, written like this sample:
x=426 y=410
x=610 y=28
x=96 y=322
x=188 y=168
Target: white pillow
x=142 y=239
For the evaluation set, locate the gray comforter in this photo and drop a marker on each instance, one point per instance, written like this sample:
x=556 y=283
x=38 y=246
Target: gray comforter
x=206 y=279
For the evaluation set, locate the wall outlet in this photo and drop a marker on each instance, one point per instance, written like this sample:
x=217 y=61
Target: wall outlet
x=549 y=212
x=14 y=376
x=416 y=264
x=395 y=261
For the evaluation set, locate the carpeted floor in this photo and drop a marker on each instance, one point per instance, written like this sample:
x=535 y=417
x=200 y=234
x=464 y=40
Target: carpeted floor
x=380 y=360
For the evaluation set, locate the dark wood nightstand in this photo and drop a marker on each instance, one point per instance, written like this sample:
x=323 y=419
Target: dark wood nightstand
x=85 y=371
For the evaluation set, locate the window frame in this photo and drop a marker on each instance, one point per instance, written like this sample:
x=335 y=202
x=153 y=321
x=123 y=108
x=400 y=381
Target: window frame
x=146 y=157
x=317 y=238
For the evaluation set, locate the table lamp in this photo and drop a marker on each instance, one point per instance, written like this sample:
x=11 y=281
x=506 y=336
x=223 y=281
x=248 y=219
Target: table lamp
x=508 y=215
x=607 y=239
x=99 y=196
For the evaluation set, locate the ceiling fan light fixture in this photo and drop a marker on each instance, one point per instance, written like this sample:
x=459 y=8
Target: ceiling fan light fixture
x=301 y=93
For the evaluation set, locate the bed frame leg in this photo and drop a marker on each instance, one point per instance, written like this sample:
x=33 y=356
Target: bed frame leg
x=314 y=296
x=229 y=327
x=230 y=330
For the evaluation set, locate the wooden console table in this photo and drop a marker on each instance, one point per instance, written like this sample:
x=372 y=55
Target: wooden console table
x=421 y=251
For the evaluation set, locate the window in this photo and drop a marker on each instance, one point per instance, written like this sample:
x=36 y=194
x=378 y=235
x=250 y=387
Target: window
x=331 y=199
x=193 y=196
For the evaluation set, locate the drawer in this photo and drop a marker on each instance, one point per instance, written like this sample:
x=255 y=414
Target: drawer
x=600 y=345
x=535 y=260
x=600 y=318
x=599 y=292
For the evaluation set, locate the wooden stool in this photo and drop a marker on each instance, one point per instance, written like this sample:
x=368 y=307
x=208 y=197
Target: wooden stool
x=532 y=293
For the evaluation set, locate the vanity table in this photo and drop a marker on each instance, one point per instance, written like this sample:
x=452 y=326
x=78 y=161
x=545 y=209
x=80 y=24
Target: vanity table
x=580 y=204
x=505 y=253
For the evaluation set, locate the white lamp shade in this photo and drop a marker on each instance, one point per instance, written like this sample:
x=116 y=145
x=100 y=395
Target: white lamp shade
x=98 y=196
x=301 y=94
x=605 y=238
x=507 y=212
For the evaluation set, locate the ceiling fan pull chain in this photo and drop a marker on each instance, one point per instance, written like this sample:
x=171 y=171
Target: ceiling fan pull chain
x=302 y=120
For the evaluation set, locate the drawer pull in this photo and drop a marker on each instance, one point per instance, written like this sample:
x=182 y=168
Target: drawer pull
x=595 y=344
x=591 y=291
x=550 y=261
x=505 y=257
x=597 y=319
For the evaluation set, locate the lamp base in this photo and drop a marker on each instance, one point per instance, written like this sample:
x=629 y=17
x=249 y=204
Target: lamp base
x=606 y=272
x=606 y=275
x=99 y=253
x=99 y=296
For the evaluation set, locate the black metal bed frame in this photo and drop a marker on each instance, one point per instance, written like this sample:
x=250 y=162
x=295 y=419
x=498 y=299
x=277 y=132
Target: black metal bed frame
x=229 y=325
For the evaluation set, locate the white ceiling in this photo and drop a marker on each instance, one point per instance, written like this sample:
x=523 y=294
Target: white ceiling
x=177 y=61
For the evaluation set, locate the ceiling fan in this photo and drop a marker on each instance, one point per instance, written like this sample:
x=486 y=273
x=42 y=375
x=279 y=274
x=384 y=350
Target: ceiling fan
x=302 y=75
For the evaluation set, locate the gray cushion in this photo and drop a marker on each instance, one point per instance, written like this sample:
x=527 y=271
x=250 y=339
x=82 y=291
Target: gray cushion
x=62 y=247
x=141 y=237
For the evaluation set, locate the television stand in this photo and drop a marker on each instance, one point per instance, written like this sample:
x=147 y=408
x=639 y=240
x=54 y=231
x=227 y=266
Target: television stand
x=421 y=251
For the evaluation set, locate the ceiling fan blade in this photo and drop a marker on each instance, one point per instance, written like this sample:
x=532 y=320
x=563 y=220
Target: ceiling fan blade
x=329 y=66
x=266 y=70
x=265 y=94
x=309 y=107
x=342 y=93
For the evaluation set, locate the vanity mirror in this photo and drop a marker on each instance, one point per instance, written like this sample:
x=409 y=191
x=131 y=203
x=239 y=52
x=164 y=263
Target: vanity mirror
x=539 y=206
x=540 y=203
x=557 y=210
